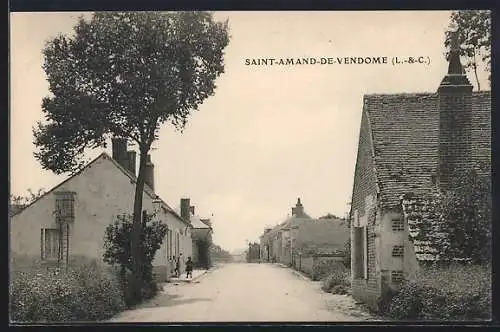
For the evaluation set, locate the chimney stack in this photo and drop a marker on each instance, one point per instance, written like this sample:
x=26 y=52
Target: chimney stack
x=299 y=209
x=149 y=173
x=131 y=158
x=455 y=108
x=119 y=151
x=192 y=210
x=185 y=208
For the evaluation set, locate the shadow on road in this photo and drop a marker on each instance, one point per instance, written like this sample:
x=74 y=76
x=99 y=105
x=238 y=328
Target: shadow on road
x=166 y=300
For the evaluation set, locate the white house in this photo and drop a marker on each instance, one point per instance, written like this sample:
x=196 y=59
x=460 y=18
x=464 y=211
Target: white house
x=70 y=220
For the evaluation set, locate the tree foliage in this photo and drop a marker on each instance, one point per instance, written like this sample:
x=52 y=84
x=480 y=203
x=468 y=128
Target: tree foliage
x=330 y=216
x=220 y=254
x=464 y=217
x=117 y=248
x=474 y=31
x=28 y=198
x=123 y=74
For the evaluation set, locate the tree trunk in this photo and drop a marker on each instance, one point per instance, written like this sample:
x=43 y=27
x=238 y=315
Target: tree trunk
x=474 y=65
x=136 y=246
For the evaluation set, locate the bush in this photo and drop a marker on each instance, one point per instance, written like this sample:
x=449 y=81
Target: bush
x=83 y=293
x=385 y=300
x=454 y=292
x=337 y=282
x=118 y=253
x=325 y=268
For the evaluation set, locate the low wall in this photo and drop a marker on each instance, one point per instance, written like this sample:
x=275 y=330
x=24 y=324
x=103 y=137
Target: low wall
x=307 y=264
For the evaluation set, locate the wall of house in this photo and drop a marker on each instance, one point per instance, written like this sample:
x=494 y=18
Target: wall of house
x=102 y=193
x=391 y=235
x=481 y=130
x=161 y=262
x=364 y=214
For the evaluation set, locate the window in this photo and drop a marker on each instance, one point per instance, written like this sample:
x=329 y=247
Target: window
x=360 y=252
x=170 y=243
x=397 y=224
x=65 y=205
x=50 y=243
x=397 y=277
x=397 y=251
x=178 y=243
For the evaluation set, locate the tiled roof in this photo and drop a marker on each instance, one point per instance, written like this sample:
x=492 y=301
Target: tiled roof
x=405 y=135
x=405 y=129
x=196 y=222
x=323 y=234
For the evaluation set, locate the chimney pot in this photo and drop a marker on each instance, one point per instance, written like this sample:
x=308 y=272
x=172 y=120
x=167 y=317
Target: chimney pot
x=150 y=173
x=119 y=151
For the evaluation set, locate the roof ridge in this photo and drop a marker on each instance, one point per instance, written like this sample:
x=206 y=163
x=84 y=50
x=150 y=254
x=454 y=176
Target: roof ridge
x=150 y=192
x=105 y=155
x=72 y=175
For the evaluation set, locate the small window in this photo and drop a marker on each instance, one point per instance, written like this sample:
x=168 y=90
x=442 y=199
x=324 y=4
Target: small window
x=397 y=277
x=397 y=224
x=398 y=251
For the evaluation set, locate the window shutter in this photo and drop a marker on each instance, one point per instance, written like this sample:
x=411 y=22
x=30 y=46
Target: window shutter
x=365 y=256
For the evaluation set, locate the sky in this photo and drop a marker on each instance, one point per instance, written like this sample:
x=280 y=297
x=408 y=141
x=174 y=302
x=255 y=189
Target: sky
x=269 y=134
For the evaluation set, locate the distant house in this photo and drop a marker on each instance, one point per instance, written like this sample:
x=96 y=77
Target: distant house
x=301 y=233
x=201 y=234
x=70 y=220
x=409 y=143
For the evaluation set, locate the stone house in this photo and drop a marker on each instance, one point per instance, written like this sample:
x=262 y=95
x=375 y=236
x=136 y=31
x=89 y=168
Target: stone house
x=409 y=144
x=70 y=219
x=201 y=235
x=301 y=232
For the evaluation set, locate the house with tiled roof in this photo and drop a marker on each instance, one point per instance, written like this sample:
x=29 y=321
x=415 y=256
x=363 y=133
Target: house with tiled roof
x=409 y=144
x=201 y=235
x=302 y=233
x=69 y=221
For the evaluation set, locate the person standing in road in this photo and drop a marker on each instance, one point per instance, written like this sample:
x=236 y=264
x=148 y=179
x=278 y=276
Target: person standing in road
x=178 y=267
x=189 y=268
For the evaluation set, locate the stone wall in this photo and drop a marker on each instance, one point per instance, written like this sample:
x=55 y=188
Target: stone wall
x=363 y=214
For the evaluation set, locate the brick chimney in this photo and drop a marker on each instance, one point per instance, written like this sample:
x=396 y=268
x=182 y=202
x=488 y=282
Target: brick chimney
x=185 y=208
x=299 y=209
x=119 y=151
x=455 y=111
x=150 y=173
x=131 y=161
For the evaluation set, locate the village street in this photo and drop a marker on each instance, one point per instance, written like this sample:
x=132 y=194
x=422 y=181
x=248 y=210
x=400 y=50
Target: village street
x=246 y=293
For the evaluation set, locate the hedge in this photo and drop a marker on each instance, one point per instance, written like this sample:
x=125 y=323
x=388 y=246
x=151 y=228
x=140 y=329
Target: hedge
x=451 y=293
x=338 y=281
x=85 y=292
